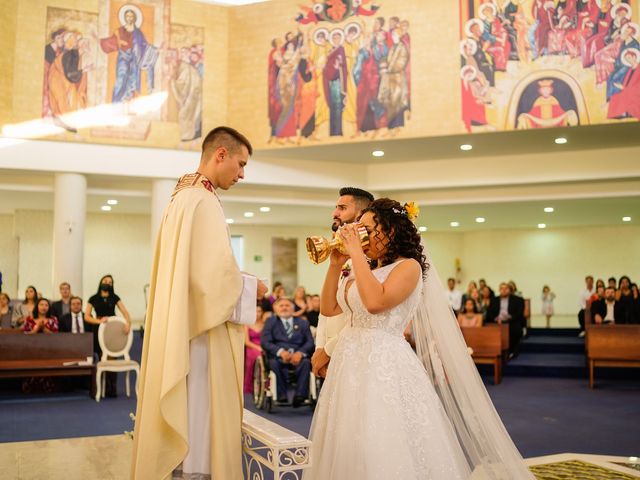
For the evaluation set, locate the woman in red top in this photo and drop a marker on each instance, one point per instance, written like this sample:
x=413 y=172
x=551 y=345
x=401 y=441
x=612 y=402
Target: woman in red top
x=42 y=319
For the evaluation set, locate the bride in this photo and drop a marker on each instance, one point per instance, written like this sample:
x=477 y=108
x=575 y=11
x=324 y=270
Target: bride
x=385 y=412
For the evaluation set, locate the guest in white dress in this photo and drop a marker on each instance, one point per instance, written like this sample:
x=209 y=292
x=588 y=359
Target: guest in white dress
x=381 y=414
x=547 y=303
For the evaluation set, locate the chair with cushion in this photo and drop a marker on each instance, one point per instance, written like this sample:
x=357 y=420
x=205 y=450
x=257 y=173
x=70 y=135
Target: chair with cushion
x=115 y=344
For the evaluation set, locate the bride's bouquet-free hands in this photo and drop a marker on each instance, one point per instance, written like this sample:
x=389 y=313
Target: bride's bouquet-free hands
x=351 y=240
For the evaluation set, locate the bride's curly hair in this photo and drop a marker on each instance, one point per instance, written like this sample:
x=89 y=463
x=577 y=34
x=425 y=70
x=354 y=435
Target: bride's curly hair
x=404 y=239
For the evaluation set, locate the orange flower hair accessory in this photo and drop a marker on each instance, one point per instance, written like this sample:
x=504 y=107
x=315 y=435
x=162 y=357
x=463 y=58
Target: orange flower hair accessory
x=412 y=210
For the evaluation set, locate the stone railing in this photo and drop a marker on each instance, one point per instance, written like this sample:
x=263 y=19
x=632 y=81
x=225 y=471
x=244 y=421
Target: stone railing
x=272 y=451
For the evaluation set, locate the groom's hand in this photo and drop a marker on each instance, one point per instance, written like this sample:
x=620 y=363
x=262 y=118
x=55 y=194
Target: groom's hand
x=319 y=361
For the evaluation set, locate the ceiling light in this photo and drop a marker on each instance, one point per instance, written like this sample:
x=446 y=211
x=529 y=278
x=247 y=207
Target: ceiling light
x=626 y=219
x=481 y=220
x=466 y=147
x=248 y=214
x=105 y=208
x=378 y=153
x=548 y=209
x=229 y=220
x=112 y=202
x=455 y=224
x=422 y=229
x=560 y=140
x=542 y=225
x=265 y=209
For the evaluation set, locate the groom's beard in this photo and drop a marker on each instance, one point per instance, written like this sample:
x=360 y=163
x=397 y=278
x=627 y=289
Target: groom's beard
x=337 y=223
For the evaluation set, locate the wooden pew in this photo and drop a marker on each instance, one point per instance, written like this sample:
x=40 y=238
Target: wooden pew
x=487 y=343
x=45 y=355
x=612 y=346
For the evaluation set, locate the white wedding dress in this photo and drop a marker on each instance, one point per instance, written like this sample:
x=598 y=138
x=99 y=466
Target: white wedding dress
x=379 y=416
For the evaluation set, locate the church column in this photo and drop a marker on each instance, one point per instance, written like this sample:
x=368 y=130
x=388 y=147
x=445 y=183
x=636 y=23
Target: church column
x=161 y=191
x=69 y=213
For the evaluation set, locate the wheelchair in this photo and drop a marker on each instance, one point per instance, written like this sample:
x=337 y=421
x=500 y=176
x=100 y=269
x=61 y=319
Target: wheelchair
x=265 y=391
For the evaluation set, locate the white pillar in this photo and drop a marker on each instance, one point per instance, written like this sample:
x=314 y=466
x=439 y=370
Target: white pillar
x=161 y=191
x=69 y=213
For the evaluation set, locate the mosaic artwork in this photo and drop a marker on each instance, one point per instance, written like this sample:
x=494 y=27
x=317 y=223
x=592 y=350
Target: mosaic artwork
x=577 y=469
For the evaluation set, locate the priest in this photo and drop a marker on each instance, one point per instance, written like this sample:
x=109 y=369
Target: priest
x=189 y=412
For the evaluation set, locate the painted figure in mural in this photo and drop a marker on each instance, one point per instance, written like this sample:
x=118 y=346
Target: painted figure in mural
x=474 y=29
x=598 y=40
x=495 y=35
x=393 y=83
x=515 y=23
x=351 y=47
x=275 y=107
x=475 y=95
x=546 y=111
x=307 y=96
x=627 y=40
x=543 y=12
x=367 y=80
x=68 y=81
x=51 y=52
x=135 y=55
x=620 y=37
x=320 y=48
x=287 y=88
x=625 y=102
x=186 y=86
x=335 y=82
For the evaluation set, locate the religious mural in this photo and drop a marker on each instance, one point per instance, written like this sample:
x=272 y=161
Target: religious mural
x=548 y=63
x=343 y=70
x=113 y=74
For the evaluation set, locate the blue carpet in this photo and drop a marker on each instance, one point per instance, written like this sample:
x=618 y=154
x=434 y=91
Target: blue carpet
x=543 y=415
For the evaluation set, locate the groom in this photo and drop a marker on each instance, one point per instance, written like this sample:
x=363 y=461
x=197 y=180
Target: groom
x=348 y=207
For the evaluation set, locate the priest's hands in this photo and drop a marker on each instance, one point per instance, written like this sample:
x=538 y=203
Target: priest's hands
x=319 y=362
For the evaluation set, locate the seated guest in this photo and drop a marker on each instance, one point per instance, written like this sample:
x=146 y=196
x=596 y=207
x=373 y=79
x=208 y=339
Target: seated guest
x=61 y=307
x=612 y=282
x=600 y=283
x=252 y=348
x=514 y=289
x=485 y=300
x=470 y=288
x=454 y=296
x=299 y=302
x=313 y=312
x=25 y=309
x=624 y=294
x=75 y=321
x=633 y=314
x=288 y=343
x=6 y=312
x=608 y=310
x=278 y=291
x=482 y=283
x=42 y=319
x=469 y=317
x=508 y=308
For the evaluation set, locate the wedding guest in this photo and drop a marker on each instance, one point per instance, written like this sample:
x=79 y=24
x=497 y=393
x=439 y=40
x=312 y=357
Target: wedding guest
x=6 y=312
x=277 y=292
x=483 y=283
x=25 y=309
x=300 y=302
x=41 y=320
x=547 y=303
x=623 y=294
x=252 y=348
x=485 y=300
x=470 y=317
x=470 y=288
x=600 y=283
x=61 y=307
x=583 y=296
x=104 y=303
x=454 y=295
x=633 y=314
x=612 y=282
x=508 y=308
x=608 y=310
x=313 y=312
x=514 y=289
x=75 y=321
x=288 y=342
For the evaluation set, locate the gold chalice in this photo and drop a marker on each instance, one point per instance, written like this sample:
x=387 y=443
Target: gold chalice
x=319 y=248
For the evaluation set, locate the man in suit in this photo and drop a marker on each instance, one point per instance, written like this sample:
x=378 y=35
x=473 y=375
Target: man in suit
x=288 y=343
x=62 y=306
x=508 y=308
x=74 y=320
x=608 y=310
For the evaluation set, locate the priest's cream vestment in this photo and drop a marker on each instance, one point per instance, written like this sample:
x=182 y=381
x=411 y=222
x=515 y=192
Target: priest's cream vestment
x=193 y=353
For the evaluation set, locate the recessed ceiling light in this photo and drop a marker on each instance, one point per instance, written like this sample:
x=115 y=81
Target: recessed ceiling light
x=105 y=208
x=466 y=147
x=378 y=153
x=422 y=229
x=626 y=219
x=229 y=220
x=548 y=209
x=455 y=224
x=481 y=220
x=265 y=209
x=112 y=202
x=248 y=214
x=542 y=225
x=560 y=140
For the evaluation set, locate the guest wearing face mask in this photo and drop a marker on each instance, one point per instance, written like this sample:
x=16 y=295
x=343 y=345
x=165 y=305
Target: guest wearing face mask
x=104 y=303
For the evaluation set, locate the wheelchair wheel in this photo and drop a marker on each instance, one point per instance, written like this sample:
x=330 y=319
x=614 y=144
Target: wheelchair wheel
x=259 y=384
x=268 y=404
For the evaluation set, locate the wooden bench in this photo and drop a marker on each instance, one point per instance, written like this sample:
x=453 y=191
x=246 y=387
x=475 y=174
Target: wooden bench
x=45 y=355
x=612 y=346
x=487 y=343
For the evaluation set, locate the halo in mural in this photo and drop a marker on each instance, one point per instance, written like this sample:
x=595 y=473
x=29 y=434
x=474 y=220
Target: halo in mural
x=633 y=51
x=317 y=33
x=134 y=9
x=621 y=6
x=336 y=32
x=471 y=23
x=484 y=7
x=467 y=42
x=468 y=71
x=350 y=26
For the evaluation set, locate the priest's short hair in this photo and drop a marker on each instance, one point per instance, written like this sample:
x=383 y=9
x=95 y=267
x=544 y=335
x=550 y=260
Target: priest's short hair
x=226 y=137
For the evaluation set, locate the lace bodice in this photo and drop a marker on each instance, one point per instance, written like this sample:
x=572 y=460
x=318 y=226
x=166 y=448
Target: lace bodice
x=392 y=321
